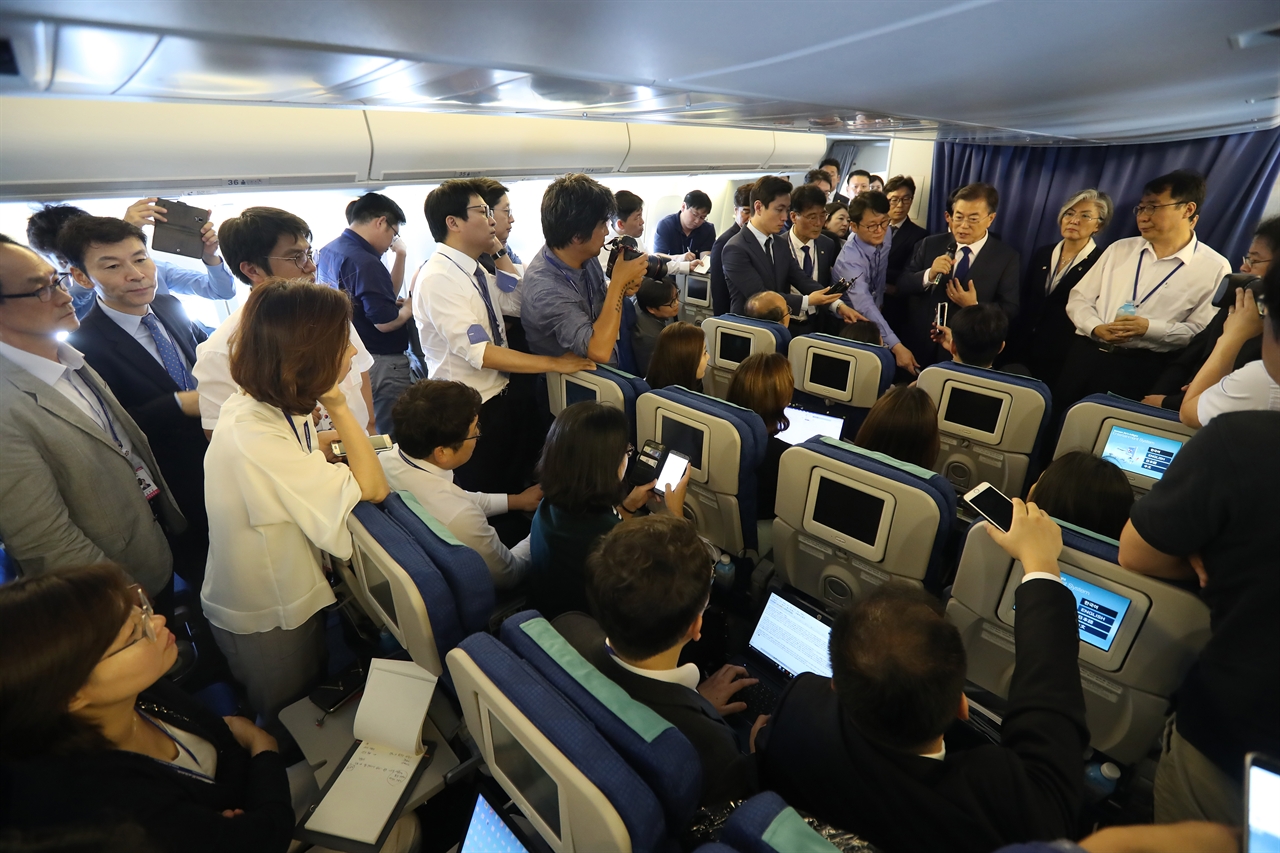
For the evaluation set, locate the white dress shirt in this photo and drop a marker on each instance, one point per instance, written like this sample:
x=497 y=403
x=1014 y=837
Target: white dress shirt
x=1176 y=310
x=273 y=507
x=686 y=675
x=132 y=326
x=466 y=514
x=212 y=373
x=974 y=248
x=1054 y=277
x=797 y=252
x=453 y=323
x=1249 y=389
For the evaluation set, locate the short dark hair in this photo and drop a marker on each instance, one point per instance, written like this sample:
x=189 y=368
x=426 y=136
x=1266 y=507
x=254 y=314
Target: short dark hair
x=697 y=200
x=572 y=207
x=490 y=190
x=1271 y=294
x=1268 y=231
x=903 y=424
x=250 y=237
x=897 y=182
x=350 y=211
x=978 y=192
x=289 y=346
x=814 y=175
x=627 y=203
x=807 y=197
x=742 y=195
x=676 y=357
x=768 y=189
x=371 y=206
x=877 y=201
x=452 y=198
x=648 y=580
x=875 y=178
x=83 y=232
x=44 y=225
x=864 y=331
x=860 y=173
x=434 y=413
x=1087 y=491
x=978 y=332
x=578 y=470
x=834 y=206
x=1184 y=185
x=898 y=666
x=830 y=161
x=655 y=293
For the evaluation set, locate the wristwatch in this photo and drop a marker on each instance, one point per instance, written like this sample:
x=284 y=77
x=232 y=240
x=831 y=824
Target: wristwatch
x=501 y=254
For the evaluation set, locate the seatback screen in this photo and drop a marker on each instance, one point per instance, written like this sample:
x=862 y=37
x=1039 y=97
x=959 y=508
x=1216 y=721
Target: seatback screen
x=1099 y=611
x=578 y=392
x=733 y=348
x=794 y=640
x=849 y=511
x=829 y=372
x=1140 y=452
x=696 y=289
x=526 y=774
x=682 y=438
x=976 y=411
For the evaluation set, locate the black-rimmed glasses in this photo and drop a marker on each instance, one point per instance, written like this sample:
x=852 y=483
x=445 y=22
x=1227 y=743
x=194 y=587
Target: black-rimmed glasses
x=57 y=281
x=1148 y=209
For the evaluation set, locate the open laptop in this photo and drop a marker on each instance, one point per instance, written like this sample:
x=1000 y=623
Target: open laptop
x=805 y=425
x=792 y=636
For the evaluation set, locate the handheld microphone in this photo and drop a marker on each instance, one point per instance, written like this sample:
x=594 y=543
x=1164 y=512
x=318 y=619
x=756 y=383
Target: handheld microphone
x=940 y=277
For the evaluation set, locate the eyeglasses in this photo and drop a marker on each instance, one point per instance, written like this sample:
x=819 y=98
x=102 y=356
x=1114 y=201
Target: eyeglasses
x=300 y=260
x=873 y=226
x=1249 y=262
x=1148 y=209
x=1084 y=218
x=674 y=303
x=972 y=218
x=57 y=281
x=473 y=437
x=146 y=630
x=483 y=208
x=906 y=199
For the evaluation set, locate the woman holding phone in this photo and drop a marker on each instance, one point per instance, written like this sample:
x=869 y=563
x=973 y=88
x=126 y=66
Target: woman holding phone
x=274 y=502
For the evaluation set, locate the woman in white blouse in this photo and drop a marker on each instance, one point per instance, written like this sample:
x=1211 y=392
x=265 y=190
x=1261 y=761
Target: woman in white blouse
x=1043 y=333
x=274 y=502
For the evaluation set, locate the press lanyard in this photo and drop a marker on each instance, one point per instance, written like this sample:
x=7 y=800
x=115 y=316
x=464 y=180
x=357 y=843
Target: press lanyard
x=306 y=429
x=488 y=304
x=1141 y=256
x=106 y=413
x=411 y=463
x=872 y=266
x=557 y=263
x=182 y=746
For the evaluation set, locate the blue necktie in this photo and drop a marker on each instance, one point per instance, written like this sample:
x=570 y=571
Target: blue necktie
x=169 y=354
x=807 y=266
x=962 y=268
x=495 y=327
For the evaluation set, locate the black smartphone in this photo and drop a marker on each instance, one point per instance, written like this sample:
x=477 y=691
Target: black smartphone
x=179 y=234
x=646 y=464
x=334 y=693
x=992 y=505
x=940 y=315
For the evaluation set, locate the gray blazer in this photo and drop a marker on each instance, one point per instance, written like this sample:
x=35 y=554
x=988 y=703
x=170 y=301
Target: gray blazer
x=67 y=496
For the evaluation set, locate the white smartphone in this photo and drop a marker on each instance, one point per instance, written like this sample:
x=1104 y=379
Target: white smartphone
x=1262 y=803
x=379 y=442
x=992 y=505
x=940 y=315
x=672 y=470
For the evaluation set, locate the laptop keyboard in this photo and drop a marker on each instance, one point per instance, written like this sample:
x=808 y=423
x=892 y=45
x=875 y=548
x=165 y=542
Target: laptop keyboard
x=760 y=699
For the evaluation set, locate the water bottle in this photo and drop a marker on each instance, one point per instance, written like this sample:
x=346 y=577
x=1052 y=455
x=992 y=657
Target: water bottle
x=1100 y=780
x=724 y=572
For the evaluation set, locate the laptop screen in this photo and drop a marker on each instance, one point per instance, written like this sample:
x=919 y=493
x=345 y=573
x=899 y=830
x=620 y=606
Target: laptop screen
x=794 y=640
x=806 y=425
x=488 y=833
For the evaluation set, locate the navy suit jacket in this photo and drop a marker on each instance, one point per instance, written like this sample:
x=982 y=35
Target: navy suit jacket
x=146 y=391
x=904 y=242
x=748 y=270
x=719 y=289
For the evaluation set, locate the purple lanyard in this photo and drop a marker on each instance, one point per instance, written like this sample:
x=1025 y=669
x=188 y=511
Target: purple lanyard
x=1141 y=256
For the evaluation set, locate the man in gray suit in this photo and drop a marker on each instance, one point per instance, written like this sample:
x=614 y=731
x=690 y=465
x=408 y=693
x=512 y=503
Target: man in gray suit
x=79 y=484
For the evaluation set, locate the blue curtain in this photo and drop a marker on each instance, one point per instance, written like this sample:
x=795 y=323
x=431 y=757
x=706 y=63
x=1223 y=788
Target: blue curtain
x=1034 y=181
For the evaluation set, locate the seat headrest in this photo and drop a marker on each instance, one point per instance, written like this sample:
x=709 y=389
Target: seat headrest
x=882 y=354
x=766 y=824
x=780 y=332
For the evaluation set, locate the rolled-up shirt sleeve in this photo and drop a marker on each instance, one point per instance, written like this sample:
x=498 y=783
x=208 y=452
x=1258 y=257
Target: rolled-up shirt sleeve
x=214 y=283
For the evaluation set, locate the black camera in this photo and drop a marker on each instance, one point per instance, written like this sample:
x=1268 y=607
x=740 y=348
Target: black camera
x=627 y=246
x=1226 y=293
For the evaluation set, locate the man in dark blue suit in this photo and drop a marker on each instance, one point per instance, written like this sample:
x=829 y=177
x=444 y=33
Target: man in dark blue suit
x=758 y=258
x=741 y=213
x=144 y=346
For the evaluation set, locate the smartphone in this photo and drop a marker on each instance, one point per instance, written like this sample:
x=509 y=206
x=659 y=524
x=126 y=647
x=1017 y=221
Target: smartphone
x=1262 y=803
x=179 y=234
x=379 y=442
x=940 y=315
x=673 y=468
x=992 y=505
x=332 y=694
x=644 y=467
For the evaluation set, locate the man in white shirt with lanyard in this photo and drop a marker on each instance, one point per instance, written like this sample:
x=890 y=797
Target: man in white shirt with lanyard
x=1145 y=298
x=458 y=308
x=79 y=484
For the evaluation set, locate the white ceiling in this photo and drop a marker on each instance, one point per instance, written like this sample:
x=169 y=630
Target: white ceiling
x=1034 y=71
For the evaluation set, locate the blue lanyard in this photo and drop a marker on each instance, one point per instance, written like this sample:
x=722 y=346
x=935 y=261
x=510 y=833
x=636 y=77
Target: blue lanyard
x=499 y=338
x=306 y=429
x=559 y=265
x=182 y=746
x=411 y=463
x=1141 y=256
x=106 y=413
x=872 y=266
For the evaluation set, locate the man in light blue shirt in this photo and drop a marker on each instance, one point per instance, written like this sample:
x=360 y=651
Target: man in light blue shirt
x=864 y=261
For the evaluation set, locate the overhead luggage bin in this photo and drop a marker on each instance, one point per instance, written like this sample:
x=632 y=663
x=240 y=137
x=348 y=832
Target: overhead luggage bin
x=679 y=148
x=796 y=151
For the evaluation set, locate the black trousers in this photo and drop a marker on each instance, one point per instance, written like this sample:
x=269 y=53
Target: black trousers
x=512 y=429
x=1089 y=369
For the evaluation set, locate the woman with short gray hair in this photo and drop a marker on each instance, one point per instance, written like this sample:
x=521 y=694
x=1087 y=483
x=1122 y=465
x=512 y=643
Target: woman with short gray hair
x=1043 y=332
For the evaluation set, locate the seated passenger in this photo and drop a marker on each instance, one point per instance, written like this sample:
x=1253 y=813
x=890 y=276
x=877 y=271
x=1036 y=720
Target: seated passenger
x=903 y=424
x=1082 y=489
x=764 y=384
x=91 y=734
x=584 y=496
x=680 y=358
x=628 y=221
x=215 y=282
x=657 y=304
x=649 y=582
x=274 y=503
x=687 y=233
x=438 y=428
x=867 y=750
x=864 y=331
x=769 y=305
x=975 y=336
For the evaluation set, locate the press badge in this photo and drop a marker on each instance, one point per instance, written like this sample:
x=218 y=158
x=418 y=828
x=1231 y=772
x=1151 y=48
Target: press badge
x=1129 y=309
x=477 y=335
x=149 y=489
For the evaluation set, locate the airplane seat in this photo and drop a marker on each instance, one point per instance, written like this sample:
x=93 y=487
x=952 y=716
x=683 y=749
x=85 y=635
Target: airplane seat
x=654 y=748
x=766 y=824
x=406 y=590
x=991 y=424
x=561 y=772
x=850 y=519
x=605 y=384
x=1140 y=439
x=730 y=339
x=725 y=445
x=839 y=377
x=1139 y=635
